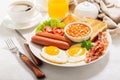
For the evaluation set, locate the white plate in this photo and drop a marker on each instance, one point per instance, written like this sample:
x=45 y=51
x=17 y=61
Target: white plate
x=32 y=23
x=36 y=49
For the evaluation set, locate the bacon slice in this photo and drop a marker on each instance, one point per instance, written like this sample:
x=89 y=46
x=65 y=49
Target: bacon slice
x=98 y=49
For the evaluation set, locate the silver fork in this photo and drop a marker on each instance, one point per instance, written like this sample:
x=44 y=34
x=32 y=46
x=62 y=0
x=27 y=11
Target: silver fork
x=39 y=74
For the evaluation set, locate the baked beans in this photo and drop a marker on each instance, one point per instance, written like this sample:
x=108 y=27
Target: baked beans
x=78 y=30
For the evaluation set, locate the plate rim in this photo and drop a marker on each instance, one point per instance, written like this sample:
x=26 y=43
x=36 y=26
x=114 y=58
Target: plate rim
x=79 y=63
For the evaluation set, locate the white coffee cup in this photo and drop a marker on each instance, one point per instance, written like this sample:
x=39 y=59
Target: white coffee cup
x=21 y=11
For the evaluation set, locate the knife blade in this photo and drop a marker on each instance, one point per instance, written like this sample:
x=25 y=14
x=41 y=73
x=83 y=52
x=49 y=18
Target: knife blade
x=36 y=60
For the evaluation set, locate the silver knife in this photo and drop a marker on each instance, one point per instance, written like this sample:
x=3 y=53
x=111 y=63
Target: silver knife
x=36 y=60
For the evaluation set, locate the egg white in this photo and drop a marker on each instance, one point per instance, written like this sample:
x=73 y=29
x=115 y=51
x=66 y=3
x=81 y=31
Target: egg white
x=60 y=58
x=76 y=57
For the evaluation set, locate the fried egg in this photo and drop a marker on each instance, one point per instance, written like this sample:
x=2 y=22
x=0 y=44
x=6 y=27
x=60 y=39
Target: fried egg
x=54 y=54
x=76 y=53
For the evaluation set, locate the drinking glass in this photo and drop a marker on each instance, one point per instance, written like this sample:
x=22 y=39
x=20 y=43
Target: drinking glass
x=58 y=8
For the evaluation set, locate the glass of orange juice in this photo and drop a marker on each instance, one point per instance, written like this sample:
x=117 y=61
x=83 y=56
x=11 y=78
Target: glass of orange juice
x=58 y=8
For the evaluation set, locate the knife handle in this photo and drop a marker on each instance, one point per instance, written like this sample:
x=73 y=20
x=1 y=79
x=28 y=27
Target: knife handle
x=36 y=60
x=39 y=74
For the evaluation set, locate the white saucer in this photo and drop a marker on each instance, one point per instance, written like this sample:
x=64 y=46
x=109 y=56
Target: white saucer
x=9 y=23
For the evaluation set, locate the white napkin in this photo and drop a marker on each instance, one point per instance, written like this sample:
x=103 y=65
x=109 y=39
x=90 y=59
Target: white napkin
x=2 y=44
x=109 y=11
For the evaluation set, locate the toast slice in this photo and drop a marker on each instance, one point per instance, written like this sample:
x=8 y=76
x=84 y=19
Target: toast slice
x=97 y=26
x=70 y=18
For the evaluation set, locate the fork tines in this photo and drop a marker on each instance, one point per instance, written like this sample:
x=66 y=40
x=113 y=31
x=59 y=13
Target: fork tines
x=10 y=43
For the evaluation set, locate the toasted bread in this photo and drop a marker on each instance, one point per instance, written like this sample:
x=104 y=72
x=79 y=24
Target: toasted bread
x=97 y=26
x=70 y=18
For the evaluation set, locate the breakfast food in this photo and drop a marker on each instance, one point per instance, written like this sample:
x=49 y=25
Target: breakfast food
x=73 y=55
x=54 y=36
x=98 y=49
x=74 y=42
x=76 y=53
x=50 y=24
x=51 y=33
x=97 y=26
x=54 y=54
x=41 y=39
x=70 y=18
x=78 y=31
x=49 y=29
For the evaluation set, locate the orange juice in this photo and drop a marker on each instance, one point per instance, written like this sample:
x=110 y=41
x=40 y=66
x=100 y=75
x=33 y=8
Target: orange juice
x=58 y=8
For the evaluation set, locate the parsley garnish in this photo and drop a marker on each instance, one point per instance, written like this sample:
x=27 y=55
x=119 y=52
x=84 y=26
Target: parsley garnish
x=86 y=44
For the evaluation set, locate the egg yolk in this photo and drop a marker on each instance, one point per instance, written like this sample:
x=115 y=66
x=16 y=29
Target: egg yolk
x=52 y=50
x=76 y=50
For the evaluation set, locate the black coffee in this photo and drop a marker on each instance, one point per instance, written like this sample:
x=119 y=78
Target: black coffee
x=21 y=7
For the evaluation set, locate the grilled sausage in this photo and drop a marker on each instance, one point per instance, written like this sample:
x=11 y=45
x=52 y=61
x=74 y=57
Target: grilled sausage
x=50 y=42
x=54 y=36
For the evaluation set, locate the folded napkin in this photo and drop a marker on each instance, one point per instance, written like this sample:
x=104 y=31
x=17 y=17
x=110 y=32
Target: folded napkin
x=109 y=12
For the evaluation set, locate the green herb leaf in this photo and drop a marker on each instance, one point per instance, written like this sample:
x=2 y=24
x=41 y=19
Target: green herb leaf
x=54 y=22
x=83 y=43
x=86 y=44
x=39 y=28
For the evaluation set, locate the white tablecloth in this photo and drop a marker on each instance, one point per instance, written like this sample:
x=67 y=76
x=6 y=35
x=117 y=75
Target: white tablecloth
x=12 y=68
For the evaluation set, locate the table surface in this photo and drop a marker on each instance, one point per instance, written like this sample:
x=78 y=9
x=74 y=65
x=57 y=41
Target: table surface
x=12 y=68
